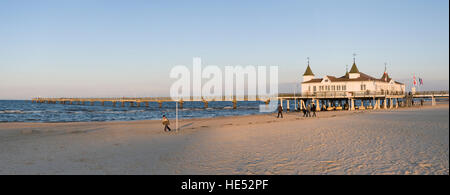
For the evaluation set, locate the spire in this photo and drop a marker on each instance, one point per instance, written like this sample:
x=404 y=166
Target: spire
x=308 y=71
x=385 y=69
x=354 y=58
x=354 y=69
x=346 y=72
x=385 y=76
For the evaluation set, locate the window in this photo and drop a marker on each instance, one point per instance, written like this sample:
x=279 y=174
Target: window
x=363 y=87
x=338 y=88
x=344 y=87
x=333 y=88
x=314 y=88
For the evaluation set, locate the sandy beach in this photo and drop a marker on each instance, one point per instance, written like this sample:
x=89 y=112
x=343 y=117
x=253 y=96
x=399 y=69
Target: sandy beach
x=398 y=141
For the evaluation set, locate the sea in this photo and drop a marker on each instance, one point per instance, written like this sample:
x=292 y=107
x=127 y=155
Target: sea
x=26 y=111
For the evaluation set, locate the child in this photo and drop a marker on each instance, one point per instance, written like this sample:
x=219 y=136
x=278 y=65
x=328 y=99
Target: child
x=166 y=123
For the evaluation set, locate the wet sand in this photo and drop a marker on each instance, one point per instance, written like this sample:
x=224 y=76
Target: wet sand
x=398 y=141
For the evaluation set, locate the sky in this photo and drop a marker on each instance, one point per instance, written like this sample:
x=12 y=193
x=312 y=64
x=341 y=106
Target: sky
x=111 y=48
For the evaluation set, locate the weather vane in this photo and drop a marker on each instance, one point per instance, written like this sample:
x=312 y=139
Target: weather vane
x=385 y=67
x=308 y=60
x=354 y=57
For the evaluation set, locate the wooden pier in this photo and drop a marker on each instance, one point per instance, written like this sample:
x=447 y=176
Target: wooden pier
x=323 y=100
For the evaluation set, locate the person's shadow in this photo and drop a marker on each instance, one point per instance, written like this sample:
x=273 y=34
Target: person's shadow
x=186 y=125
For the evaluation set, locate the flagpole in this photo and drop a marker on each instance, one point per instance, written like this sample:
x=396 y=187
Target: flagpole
x=176 y=116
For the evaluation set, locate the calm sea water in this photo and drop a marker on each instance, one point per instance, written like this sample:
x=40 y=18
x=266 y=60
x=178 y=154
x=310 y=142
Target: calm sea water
x=25 y=111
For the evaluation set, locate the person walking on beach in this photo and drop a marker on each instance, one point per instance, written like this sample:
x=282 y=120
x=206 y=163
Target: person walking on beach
x=280 y=111
x=313 y=109
x=304 y=112
x=166 y=123
x=308 y=110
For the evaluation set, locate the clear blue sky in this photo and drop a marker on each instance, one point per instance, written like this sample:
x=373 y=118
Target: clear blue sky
x=126 y=48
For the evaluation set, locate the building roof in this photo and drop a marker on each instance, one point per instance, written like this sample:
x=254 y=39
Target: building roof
x=345 y=78
x=354 y=69
x=308 y=72
x=385 y=77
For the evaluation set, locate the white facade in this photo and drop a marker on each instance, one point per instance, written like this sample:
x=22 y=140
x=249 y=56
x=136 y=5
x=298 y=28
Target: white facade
x=354 y=81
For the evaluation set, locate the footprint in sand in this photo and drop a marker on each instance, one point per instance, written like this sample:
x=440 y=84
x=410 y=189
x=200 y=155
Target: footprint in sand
x=27 y=132
x=425 y=165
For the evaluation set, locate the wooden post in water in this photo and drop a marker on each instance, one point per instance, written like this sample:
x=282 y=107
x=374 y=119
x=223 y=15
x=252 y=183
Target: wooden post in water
x=287 y=106
x=352 y=104
x=385 y=103
x=317 y=105
x=181 y=104
x=433 y=101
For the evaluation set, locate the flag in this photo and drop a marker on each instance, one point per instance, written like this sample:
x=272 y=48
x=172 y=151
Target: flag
x=420 y=81
x=414 y=77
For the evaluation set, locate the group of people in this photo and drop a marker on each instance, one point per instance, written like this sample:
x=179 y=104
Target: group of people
x=310 y=108
x=306 y=111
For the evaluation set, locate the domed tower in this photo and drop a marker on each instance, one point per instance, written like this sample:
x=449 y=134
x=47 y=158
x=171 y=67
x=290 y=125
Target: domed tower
x=308 y=75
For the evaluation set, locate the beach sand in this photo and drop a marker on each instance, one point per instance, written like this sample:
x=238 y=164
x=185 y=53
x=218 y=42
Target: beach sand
x=399 y=141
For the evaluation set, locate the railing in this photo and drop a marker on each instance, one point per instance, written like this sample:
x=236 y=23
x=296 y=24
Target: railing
x=431 y=93
x=342 y=94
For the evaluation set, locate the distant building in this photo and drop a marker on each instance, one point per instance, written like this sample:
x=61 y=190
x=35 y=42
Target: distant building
x=353 y=81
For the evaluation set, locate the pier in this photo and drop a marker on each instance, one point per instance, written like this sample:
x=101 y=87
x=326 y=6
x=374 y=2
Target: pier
x=324 y=101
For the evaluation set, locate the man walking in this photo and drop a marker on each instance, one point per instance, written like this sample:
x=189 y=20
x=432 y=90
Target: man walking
x=304 y=112
x=308 y=110
x=280 y=111
x=313 y=108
